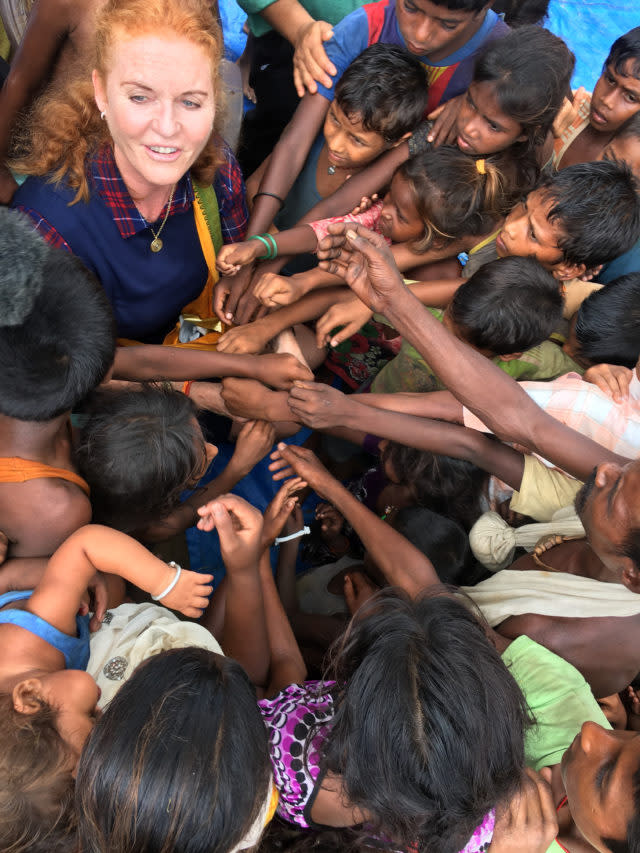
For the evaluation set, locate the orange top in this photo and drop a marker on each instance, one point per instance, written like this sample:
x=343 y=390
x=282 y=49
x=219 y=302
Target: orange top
x=13 y=469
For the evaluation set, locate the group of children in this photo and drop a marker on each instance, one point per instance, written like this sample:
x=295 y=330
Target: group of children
x=465 y=207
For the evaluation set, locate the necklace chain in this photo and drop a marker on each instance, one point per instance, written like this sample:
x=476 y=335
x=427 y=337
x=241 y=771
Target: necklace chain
x=156 y=243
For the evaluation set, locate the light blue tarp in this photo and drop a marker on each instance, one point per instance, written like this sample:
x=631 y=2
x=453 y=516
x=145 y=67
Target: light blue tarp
x=232 y=18
x=590 y=27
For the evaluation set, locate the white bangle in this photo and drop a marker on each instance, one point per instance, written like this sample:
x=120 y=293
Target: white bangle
x=175 y=580
x=291 y=536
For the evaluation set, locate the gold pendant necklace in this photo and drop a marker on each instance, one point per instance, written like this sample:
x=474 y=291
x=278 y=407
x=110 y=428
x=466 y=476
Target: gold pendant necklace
x=156 y=243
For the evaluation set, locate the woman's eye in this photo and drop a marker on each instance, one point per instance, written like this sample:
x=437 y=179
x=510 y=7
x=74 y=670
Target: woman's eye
x=138 y=99
x=191 y=104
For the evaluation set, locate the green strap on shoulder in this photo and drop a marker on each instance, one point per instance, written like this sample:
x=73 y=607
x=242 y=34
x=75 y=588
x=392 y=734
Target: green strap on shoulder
x=206 y=198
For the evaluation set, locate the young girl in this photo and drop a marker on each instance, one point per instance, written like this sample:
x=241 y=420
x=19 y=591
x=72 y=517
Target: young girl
x=504 y=118
x=47 y=701
x=596 y=118
x=439 y=203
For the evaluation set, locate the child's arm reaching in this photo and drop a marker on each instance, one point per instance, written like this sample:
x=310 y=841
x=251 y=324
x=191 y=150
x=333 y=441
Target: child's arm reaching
x=401 y=562
x=244 y=636
x=260 y=332
x=93 y=548
x=293 y=241
x=150 y=362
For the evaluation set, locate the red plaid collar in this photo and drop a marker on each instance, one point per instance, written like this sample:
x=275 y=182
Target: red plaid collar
x=108 y=183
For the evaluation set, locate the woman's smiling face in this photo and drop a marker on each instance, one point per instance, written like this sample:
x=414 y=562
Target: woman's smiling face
x=158 y=97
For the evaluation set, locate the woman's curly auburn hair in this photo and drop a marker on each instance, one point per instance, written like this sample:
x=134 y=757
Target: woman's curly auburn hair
x=65 y=127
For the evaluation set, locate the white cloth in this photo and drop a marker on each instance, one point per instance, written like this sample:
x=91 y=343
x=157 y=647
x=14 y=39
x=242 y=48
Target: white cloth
x=494 y=543
x=513 y=593
x=132 y=633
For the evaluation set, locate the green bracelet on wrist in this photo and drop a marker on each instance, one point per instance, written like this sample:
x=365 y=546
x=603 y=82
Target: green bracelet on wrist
x=269 y=242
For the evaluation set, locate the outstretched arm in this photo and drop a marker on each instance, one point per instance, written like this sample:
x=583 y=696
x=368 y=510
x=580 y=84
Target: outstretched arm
x=367 y=266
x=321 y=406
x=401 y=562
x=93 y=548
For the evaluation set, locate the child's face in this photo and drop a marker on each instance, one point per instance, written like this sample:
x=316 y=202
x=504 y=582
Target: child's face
x=433 y=30
x=615 y=99
x=482 y=127
x=74 y=694
x=349 y=145
x=399 y=220
x=527 y=232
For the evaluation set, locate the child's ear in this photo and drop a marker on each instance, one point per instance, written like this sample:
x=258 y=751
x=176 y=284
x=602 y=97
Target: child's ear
x=565 y=272
x=510 y=357
x=27 y=696
x=630 y=574
x=402 y=139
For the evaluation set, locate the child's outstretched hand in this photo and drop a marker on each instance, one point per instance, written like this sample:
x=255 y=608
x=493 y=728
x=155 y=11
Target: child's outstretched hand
x=351 y=315
x=280 y=370
x=250 y=339
x=290 y=461
x=254 y=441
x=232 y=257
x=331 y=521
x=239 y=527
x=275 y=290
x=365 y=204
x=613 y=379
x=317 y=405
x=190 y=595
x=280 y=509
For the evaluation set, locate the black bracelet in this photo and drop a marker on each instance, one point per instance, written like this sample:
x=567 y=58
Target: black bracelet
x=273 y=195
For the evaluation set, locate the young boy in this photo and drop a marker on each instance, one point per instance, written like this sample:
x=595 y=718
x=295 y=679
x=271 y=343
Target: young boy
x=444 y=39
x=506 y=308
x=57 y=341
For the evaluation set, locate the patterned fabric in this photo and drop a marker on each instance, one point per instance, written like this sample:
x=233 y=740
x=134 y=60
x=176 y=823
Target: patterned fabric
x=369 y=218
x=585 y=408
x=289 y=718
x=482 y=836
x=105 y=178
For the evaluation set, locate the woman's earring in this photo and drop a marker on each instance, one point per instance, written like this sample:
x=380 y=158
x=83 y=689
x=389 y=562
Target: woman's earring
x=103 y=115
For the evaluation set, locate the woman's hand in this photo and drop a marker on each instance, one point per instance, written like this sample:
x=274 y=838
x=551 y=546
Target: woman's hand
x=254 y=441
x=290 y=461
x=280 y=509
x=613 y=379
x=274 y=290
x=317 y=405
x=249 y=339
x=239 y=527
x=310 y=60
x=351 y=315
x=528 y=823
x=232 y=257
x=365 y=262
x=190 y=595
x=280 y=370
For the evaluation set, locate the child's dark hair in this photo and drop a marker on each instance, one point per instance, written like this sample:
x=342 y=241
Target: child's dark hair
x=139 y=451
x=450 y=487
x=452 y=196
x=462 y=5
x=518 y=13
x=608 y=323
x=57 y=334
x=178 y=761
x=507 y=308
x=597 y=206
x=425 y=768
x=369 y=90
x=527 y=90
x=439 y=538
x=624 y=48
x=37 y=814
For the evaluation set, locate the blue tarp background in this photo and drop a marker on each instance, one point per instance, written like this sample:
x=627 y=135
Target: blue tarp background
x=590 y=27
